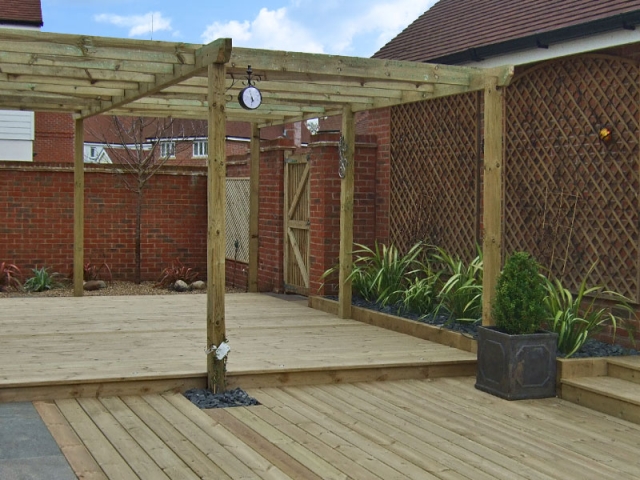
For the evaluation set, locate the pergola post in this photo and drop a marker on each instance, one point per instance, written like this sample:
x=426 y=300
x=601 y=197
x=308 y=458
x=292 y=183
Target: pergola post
x=78 y=208
x=254 y=191
x=492 y=194
x=347 y=155
x=216 y=235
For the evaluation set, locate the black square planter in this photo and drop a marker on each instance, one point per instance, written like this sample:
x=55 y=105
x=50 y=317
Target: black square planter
x=516 y=367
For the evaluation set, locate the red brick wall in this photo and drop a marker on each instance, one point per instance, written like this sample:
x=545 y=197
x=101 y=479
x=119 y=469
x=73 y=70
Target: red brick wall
x=271 y=211
x=325 y=205
x=53 y=138
x=37 y=220
x=380 y=126
x=237 y=274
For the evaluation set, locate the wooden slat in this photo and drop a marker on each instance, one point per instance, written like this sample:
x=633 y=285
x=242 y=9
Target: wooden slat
x=249 y=457
x=271 y=452
x=113 y=465
x=82 y=463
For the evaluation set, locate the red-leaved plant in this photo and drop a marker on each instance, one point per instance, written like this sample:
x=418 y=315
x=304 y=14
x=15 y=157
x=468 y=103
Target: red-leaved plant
x=177 y=271
x=10 y=276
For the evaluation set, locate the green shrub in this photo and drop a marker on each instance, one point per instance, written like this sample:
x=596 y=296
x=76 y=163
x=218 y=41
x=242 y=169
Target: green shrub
x=519 y=306
x=577 y=318
x=9 y=277
x=420 y=293
x=461 y=295
x=42 y=280
x=380 y=273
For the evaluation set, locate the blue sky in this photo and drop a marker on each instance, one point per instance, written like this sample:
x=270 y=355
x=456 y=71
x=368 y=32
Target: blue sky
x=341 y=27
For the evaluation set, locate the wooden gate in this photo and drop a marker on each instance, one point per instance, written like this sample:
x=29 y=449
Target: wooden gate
x=296 y=225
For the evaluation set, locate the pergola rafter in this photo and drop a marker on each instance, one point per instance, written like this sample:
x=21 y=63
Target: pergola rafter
x=88 y=76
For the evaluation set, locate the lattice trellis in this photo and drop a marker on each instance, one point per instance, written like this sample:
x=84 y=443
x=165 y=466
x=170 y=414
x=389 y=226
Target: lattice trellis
x=237 y=219
x=571 y=199
x=434 y=174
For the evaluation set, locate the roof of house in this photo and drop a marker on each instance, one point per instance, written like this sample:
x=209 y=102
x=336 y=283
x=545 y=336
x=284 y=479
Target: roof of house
x=455 y=31
x=21 y=12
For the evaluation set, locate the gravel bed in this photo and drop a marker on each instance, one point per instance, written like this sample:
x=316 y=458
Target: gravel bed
x=203 y=398
x=115 y=288
x=591 y=348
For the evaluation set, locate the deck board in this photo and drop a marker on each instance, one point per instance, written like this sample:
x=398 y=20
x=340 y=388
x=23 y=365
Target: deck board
x=421 y=429
x=95 y=339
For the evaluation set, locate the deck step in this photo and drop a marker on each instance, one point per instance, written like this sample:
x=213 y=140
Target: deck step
x=625 y=368
x=607 y=394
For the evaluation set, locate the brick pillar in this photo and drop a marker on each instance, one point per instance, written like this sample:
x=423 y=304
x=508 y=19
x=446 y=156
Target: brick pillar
x=271 y=215
x=379 y=124
x=325 y=205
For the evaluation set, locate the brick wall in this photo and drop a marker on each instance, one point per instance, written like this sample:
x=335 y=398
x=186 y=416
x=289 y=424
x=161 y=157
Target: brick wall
x=36 y=218
x=379 y=125
x=53 y=138
x=325 y=205
x=271 y=211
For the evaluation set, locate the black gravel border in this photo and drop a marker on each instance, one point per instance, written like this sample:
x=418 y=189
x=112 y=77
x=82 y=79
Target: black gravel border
x=203 y=398
x=591 y=348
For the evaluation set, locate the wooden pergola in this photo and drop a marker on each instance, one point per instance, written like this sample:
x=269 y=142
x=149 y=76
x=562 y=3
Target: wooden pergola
x=88 y=76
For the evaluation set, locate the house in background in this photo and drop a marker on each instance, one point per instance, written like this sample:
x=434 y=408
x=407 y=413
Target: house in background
x=17 y=129
x=183 y=142
x=498 y=32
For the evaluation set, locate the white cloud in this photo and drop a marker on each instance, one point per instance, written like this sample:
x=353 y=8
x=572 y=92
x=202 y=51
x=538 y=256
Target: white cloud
x=384 y=20
x=138 y=25
x=271 y=29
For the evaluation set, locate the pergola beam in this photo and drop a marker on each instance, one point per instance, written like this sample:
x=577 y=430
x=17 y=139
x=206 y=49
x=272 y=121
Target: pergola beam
x=216 y=52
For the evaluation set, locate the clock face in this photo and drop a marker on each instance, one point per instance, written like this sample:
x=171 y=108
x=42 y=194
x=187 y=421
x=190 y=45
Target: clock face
x=250 y=98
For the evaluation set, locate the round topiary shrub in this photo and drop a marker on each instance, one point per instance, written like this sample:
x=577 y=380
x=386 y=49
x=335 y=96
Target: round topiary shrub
x=518 y=307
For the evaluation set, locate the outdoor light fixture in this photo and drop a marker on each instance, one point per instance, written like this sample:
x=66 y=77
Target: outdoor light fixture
x=606 y=135
x=250 y=97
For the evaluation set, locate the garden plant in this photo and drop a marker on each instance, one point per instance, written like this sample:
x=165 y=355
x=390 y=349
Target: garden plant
x=42 y=280
x=429 y=282
x=10 y=276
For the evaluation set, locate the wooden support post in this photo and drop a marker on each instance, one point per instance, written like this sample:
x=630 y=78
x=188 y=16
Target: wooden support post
x=216 y=235
x=492 y=194
x=254 y=181
x=347 y=152
x=78 y=208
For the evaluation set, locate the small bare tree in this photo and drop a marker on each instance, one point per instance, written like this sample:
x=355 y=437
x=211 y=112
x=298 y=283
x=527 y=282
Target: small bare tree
x=142 y=146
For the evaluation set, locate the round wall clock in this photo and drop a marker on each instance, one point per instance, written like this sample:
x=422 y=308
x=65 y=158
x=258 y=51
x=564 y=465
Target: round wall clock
x=250 y=98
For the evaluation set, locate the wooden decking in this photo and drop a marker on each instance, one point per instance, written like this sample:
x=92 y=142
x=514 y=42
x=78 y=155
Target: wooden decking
x=74 y=347
x=411 y=429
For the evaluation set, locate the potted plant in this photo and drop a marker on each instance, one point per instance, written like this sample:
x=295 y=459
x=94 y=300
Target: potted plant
x=516 y=360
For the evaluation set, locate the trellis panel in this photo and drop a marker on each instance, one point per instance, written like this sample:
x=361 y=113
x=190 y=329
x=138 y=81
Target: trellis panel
x=571 y=199
x=434 y=174
x=237 y=219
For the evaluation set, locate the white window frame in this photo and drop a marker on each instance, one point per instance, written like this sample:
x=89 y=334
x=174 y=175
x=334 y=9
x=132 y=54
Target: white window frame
x=168 y=149
x=200 y=148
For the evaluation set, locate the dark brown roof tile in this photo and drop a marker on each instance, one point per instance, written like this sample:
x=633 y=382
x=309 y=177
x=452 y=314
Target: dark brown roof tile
x=21 y=12
x=454 y=26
